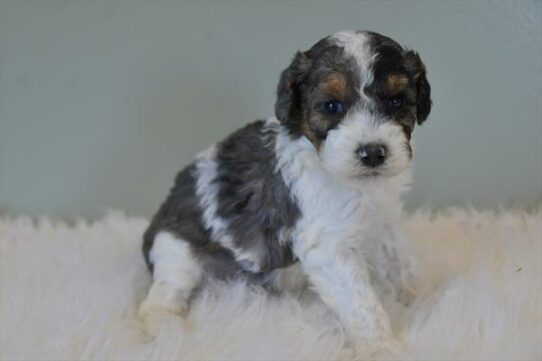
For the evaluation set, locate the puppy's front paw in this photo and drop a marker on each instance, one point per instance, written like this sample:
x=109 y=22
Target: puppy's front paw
x=405 y=297
x=382 y=349
x=157 y=318
x=387 y=350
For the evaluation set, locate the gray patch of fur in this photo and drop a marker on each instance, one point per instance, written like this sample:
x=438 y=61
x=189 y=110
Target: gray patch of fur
x=181 y=215
x=252 y=197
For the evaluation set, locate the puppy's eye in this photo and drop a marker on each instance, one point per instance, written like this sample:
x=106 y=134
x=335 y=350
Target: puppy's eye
x=333 y=107
x=396 y=102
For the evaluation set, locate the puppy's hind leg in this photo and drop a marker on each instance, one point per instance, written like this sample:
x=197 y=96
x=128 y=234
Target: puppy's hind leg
x=289 y=279
x=176 y=272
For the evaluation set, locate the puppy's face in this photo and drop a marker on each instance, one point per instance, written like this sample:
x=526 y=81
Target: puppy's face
x=356 y=96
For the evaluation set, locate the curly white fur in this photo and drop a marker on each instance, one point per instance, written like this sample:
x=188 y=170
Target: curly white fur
x=340 y=225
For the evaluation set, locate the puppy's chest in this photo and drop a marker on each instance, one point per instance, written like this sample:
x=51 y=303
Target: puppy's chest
x=328 y=209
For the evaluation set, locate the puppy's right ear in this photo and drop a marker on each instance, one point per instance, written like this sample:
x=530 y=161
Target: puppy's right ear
x=423 y=90
x=288 y=107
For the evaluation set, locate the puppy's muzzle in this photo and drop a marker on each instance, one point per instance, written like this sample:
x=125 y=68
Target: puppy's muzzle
x=372 y=155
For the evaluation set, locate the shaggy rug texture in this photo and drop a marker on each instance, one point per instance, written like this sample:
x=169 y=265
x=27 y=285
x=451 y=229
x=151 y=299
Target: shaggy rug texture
x=70 y=292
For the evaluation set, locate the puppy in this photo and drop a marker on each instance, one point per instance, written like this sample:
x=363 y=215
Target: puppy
x=317 y=186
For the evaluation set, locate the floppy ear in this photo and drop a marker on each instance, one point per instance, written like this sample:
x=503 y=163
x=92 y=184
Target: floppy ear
x=423 y=90
x=288 y=105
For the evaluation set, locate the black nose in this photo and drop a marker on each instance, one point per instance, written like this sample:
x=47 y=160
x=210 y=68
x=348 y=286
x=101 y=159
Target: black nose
x=372 y=155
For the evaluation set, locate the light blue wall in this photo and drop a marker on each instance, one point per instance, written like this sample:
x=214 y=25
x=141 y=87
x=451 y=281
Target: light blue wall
x=102 y=102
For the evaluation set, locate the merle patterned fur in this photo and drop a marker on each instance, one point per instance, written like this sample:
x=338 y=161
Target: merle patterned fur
x=253 y=200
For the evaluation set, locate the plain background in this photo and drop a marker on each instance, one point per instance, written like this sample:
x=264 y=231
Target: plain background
x=102 y=102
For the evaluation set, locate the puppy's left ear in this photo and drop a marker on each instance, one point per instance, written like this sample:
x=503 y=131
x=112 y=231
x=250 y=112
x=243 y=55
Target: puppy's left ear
x=423 y=90
x=288 y=107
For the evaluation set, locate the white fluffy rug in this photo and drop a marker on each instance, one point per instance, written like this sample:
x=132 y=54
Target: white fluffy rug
x=71 y=292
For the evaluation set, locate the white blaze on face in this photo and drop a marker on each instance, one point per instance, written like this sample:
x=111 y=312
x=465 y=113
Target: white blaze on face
x=357 y=46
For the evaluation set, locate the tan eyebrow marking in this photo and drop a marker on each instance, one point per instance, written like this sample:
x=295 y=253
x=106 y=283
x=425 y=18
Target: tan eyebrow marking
x=397 y=83
x=335 y=85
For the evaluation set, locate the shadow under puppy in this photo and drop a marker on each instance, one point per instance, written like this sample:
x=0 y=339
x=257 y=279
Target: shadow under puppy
x=317 y=186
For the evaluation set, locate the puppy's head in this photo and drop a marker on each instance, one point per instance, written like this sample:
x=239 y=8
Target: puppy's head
x=357 y=97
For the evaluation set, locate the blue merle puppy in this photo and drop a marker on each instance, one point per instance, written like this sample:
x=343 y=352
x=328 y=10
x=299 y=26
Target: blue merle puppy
x=312 y=193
